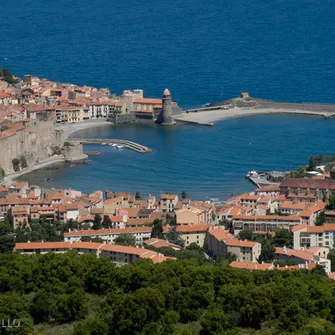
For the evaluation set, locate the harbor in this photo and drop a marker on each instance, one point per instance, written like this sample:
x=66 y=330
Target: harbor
x=265 y=178
x=114 y=143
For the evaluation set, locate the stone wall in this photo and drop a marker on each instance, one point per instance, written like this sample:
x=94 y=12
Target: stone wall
x=73 y=152
x=122 y=118
x=36 y=142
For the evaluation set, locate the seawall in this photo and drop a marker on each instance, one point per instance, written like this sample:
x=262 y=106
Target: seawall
x=205 y=116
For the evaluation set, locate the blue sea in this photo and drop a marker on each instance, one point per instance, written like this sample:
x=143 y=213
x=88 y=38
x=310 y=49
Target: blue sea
x=203 y=51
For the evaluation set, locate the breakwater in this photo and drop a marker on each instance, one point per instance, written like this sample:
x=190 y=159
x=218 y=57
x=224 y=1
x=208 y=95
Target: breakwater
x=127 y=144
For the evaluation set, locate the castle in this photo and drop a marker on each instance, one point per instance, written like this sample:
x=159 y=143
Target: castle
x=29 y=142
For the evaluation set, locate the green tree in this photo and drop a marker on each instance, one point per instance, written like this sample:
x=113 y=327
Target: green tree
x=157 y=229
x=331 y=202
x=16 y=164
x=15 y=306
x=138 y=196
x=107 y=223
x=331 y=256
x=292 y=317
x=2 y=173
x=227 y=258
x=43 y=306
x=174 y=237
x=71 y=306
x=23 y=162
x=214 y=322
x=8 y=76
x=312 y=163
x=193 y=246
x=91 y=239
x=92 y=325
x=97 y=222
x=267 y=252
x=319 y=270
x=320 y=219
x=6 y=244
x=283 y=237
x=5 y=228
x=184 y=195
x=126 y=239
x=245 y=235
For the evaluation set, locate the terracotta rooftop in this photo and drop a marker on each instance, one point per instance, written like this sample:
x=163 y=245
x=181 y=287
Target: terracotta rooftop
x=109 y=231
x=308 y=183
x=251 y=266
x=240 y=243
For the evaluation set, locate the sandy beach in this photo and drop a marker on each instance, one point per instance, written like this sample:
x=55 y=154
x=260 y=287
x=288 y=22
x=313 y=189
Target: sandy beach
x=210 y=116
x=71 y=128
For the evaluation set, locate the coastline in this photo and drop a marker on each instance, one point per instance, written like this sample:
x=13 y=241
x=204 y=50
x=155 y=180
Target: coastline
x=210 y=116
x=50 y=161
x=72 y=128
x=69 y=129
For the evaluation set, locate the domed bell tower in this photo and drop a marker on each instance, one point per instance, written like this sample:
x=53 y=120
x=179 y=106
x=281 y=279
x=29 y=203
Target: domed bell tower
x=167 y=118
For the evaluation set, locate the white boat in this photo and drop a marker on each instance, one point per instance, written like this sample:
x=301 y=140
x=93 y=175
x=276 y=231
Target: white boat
x=114 y=145
x=252 y=173
x=110 y=144
x=104 y=143
x=119 y=146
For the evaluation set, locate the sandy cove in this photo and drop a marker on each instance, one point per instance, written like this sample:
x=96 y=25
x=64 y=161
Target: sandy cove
x=210 y=116
x=71 y=128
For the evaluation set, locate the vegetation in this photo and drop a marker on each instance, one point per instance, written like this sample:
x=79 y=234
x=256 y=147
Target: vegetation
x=174 y=237
x=320 y=219
x=68 y=144
x=56 y=150
x=331 y=203
x=126 y=239
x=245 y=235
x=29 y=90
x=91 y=239
x=314 y=161
x=107 y=222
x=331 y=256
x=97 y=222
x=2 y=173
x=8 y=76
x=117 y=111
x=91 y=296
x=184 y=195
x=16 y=164
x=23 y=162
x=157 y=229
x=138 y=196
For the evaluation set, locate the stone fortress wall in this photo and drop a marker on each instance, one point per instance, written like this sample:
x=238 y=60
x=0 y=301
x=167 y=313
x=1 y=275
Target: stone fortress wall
x=35 y=140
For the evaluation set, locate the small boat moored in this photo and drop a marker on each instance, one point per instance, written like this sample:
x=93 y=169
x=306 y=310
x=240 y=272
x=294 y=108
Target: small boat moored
x=104 y=143
x=252 y=173
x=119 y=146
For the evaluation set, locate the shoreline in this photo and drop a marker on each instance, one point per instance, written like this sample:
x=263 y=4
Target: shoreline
x=207 y=117
x=49 y=161
x=72 y=128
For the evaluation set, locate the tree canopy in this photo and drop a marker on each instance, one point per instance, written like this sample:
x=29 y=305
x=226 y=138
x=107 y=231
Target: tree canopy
x=8 y=76
x=92 y=296
x=126 y=239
